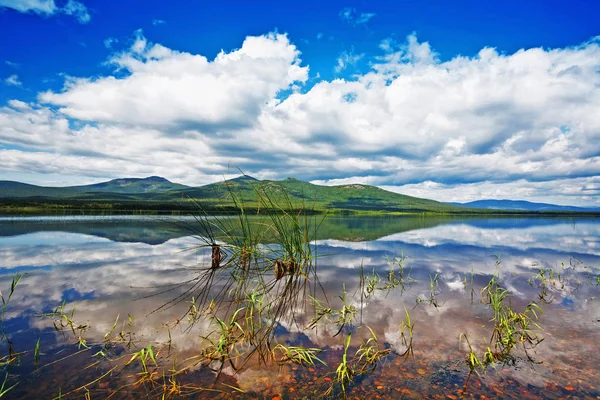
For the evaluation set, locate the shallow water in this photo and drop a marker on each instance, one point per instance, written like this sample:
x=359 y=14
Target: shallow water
x=104 y=267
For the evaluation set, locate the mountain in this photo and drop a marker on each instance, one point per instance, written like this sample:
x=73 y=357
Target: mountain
x=17 y=189
x=156 y=193
x=521 y=205
x=299 y=194
x=152 y=184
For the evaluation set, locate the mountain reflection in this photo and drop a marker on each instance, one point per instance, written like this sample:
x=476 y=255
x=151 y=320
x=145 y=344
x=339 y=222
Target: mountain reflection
x=104 y=278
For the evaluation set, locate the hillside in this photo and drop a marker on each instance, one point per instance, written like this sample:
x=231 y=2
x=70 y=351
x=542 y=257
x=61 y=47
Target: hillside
x=156 y=193
x=300 y=194
x=152 y=184
x=360 y=197
x=10 y=189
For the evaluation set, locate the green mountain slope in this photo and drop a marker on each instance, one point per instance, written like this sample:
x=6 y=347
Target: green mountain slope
x=294 y=193
x=155 y=193
x=360 y=197
x=152 y=184
x=9 y=189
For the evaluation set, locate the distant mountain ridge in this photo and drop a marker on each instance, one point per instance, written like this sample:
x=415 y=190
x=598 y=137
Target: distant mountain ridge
x=356 y=197
x=157 y=193
x=151 y=184
x=522 y=205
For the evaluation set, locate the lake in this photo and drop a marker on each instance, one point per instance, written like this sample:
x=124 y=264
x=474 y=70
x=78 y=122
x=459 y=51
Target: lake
x=381 y=307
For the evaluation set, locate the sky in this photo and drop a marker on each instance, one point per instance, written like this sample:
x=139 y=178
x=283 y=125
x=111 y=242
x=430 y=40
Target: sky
x=455 y=101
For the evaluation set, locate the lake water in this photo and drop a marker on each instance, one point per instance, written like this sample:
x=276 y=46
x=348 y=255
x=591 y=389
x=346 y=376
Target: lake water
x=143 y=272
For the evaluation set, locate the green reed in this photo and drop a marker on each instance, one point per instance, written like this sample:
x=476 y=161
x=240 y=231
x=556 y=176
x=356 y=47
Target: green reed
x=369 y=354
x=144 y=356
x=406 y=335
x=304 y=356
x=511 y=329
x=344 y=373
x=434 y=291
x=12 y=354
x=4 y=389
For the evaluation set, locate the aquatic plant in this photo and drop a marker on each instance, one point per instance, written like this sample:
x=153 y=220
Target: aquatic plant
x=406 y=335
x=510 y=329
x=229 y=334
x=12 y=354
x=472 y=360
x=3 y=388
x=434 y=291
x=341 y=317
x=298 y=355
x=144 y=356
x=344 y=373
x=369 y=354
x=397 y=275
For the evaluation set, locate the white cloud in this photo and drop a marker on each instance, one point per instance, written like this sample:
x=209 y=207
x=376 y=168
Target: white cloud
x=350 y=15
x=78 y=10
x=346 y=13
x=347 y=59
x=158 y=22
x=48 y=7
x=101 y=151
x=527 y=115
x=524 y=125
x=167 y=87
x=108 y=42
x=43 y=7
x=387 y=45
x=363 y=18
x=559 y=191
x=13 y=80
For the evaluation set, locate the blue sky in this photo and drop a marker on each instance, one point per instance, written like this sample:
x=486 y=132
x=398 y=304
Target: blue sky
x=462 y=102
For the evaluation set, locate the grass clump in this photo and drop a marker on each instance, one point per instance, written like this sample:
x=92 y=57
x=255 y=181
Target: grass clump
x=511 y=329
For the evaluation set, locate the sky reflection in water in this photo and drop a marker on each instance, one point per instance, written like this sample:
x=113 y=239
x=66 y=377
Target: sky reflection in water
x=104 y=278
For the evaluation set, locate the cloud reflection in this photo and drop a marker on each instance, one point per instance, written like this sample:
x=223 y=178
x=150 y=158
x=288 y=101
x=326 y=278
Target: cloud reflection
x=103 y=279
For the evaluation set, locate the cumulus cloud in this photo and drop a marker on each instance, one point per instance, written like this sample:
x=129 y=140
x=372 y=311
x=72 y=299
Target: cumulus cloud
x=522 y=125
x=13 y=80
x=158 y=22
x=167 y=87
x=48 y=7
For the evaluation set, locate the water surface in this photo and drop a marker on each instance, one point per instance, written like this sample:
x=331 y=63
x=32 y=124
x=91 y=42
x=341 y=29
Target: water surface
x=109 y=267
